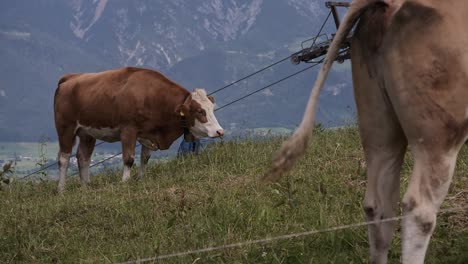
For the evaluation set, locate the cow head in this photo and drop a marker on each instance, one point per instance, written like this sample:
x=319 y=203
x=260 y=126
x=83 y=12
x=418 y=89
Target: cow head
x=198 y=110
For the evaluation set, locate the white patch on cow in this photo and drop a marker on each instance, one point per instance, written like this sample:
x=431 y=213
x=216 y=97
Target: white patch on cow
x=105 y=133
x=84 y=172
x=64 y=159
x=145 y=156
x=126 y=173
x=210 y=128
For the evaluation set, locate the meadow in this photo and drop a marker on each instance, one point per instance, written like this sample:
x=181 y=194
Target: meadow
x=216 y=198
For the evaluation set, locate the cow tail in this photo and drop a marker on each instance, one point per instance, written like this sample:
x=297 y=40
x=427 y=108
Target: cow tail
x=294 y=148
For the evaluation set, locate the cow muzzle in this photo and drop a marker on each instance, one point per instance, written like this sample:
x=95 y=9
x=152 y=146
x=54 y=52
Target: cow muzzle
x=200 y=130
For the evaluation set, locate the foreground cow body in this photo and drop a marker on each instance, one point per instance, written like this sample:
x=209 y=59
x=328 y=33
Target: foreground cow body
x=410 y=74
x=127 y=105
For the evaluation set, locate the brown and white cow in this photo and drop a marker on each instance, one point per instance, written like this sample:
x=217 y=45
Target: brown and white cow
x=410 y=73
x=127 y=105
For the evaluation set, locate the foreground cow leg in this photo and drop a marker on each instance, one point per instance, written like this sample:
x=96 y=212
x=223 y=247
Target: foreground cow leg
x=128 y=138
x=430 y=180
x=85 y=150
x=384 y=145
x=145 y=156
x=382 y=195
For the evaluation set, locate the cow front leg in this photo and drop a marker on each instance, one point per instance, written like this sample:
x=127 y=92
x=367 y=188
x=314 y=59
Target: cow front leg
x=145 y=156
x=384 y=144
x=429 y=184
x=85 y=150
x=384 y=148
x=128 y=138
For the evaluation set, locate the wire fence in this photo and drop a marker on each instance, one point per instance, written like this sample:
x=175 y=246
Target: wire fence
x=217 y=109
x=278 y=238
x=51 y=165
x=215 y=91
x=271 y=65
x=218 y=90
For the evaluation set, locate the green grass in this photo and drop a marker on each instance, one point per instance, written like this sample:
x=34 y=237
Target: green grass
x=213 y=199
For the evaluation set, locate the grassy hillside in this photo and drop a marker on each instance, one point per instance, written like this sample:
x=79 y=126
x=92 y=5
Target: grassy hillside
x=214 y=199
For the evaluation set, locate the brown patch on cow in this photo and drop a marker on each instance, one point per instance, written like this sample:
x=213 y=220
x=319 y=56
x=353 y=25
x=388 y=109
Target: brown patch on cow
x=450 y=133
x=370 y=32
x=425 y=226
x=128 y=161
x=372 y=26
x=370 y=212
x=193 y=111
x=456 y=132
x=415 y=16
x=198 y=112
x=409 y=205
x=211 y=98
x=437 y=77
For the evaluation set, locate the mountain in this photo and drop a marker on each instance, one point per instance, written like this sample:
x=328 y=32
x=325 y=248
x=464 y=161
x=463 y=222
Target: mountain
x=197 y=43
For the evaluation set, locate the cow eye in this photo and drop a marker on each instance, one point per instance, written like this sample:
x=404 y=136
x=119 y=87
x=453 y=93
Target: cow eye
x=200 y=111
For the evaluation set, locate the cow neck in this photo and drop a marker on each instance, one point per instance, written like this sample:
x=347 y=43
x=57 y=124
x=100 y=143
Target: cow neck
x=187 y=135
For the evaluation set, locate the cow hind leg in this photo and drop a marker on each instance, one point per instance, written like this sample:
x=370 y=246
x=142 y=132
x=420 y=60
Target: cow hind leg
x=384 y=153
x=145 y=156
x=66 y=137
x=430 y=180
x=128 y=138
x=85 y=150
x=384 y=144
x=382 y=195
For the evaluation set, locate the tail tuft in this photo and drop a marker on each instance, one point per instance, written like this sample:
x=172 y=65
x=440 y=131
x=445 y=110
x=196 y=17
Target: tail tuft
x=291 y=151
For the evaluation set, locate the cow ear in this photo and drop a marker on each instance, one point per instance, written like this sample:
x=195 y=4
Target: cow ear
x=211 y=99
x=182 y=110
